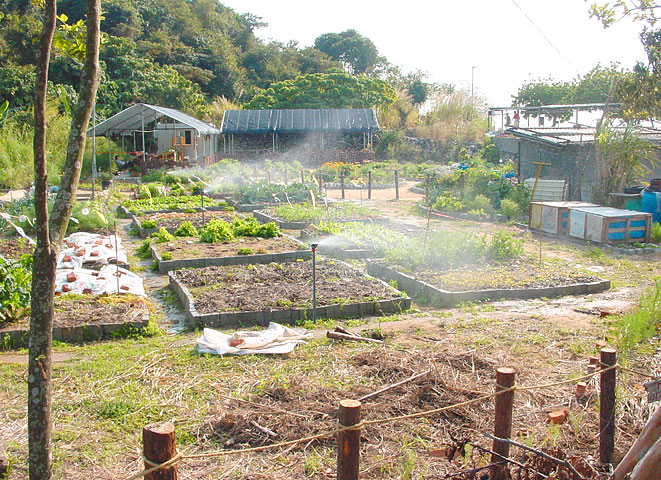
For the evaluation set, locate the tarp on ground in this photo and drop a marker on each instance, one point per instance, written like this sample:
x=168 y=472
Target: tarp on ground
x=276 y=339
x=326 y=120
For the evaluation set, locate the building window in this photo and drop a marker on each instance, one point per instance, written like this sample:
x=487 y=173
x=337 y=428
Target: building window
x=188 y=140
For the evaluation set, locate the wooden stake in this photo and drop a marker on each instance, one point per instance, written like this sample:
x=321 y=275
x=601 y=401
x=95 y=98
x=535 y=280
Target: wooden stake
x=159 y=446
x=648 y=467
x=650 y=434
x=369 y=184
x=342 y=183
x=505 y=377
x=396 y=184
x=607 y=407
x=302 y=177
x=348 y=442
x=354 y=338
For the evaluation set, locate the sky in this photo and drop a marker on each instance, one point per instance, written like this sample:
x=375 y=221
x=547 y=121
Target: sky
x=446 y=39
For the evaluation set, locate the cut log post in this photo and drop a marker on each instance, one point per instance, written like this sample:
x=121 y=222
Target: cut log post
x=648 y=467
x=505 y=377
x=648 y=437
x=348 y=441
x=369 y=184
x=302 y=176
x=159 y=446
x=607 y=406
x=396 y=184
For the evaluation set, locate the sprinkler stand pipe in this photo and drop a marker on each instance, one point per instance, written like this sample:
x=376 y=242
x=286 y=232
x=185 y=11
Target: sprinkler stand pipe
x=314 y=281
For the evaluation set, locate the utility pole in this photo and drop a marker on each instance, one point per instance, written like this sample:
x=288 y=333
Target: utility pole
x=473 y=80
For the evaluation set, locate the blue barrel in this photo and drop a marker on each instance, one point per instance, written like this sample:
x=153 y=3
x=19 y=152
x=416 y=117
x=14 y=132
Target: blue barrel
x=651 y=205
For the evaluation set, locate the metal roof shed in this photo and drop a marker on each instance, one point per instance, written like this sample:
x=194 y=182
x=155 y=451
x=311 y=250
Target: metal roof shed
x=133 y=119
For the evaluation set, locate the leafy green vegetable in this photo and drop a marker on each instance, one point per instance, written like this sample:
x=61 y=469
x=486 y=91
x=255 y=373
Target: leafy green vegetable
x=186 y=229
x=164 y=236
x=15 y=284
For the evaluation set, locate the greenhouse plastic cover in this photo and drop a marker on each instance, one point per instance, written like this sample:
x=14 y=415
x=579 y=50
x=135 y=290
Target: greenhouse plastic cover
x=276 y=339
x=299 y=120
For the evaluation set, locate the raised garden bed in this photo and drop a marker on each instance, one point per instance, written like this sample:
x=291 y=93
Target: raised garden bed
x=430 y=285
x=14 y=247
x=168 y=204
x=333 y=214
x=259 y=294
x=190 y=253
x=171 y=220
x=84 y=318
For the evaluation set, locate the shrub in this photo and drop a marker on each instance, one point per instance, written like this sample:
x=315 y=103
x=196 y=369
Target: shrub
x=186 y=229
x=164 y=236
x=268 y=230
x=217 y=230
x=245 y=227
x=502 y=246
x=144 y=250
x=15 y=284
x=244 y=251
x=656 y=232
x=149 y=224
x=449 y=203
x=479 y=203
x=510 y=209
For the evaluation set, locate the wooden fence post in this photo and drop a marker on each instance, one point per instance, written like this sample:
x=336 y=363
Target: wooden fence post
x=369 y=184
x=505 y=377
x=396 y=184
x=159 y=446
x=268 y=177
x=302 y=177
x=286 y=176
x=427 y=181
x=342 y=183
x=607 y=406
x=348 y=442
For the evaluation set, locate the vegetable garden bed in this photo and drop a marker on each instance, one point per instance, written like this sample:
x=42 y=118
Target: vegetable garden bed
x=84 y=318
x=299 y=217
x=526 y=281
x=185 y=253
x=259 y=294
x=171 y=220
x=14 y=247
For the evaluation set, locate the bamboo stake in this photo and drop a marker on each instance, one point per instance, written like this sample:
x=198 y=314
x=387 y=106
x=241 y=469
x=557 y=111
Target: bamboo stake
x=394 y=385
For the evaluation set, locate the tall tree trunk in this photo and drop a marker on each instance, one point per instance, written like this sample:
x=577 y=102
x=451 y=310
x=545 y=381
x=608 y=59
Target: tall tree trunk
x=43 y=277
x=66 y=195
x=49 y=237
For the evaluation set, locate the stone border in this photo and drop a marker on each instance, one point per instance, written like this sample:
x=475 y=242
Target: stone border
x=292 y=315
x=263 y=217
x=128 y=214
x=165 y=266
x=75 y=334
x=250 y=207
x=445 y=298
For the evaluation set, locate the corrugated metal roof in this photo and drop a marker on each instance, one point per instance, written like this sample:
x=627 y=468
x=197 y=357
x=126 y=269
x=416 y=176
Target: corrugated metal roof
x=130 y=119
x=299 y=120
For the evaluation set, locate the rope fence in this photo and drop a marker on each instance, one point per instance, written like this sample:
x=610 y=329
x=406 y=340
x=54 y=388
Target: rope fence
x=179 y=457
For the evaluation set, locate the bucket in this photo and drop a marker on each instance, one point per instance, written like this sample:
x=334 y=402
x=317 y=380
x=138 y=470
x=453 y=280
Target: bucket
x=651 y=205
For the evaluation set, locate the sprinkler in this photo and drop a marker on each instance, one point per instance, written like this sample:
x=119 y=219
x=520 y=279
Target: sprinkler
x=314 y=281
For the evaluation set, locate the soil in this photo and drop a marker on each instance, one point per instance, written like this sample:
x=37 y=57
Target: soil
x=14 y=247
x=173 y=219
x=181 y=248
x=512 y=275
x=289 y=285
x=77 y=310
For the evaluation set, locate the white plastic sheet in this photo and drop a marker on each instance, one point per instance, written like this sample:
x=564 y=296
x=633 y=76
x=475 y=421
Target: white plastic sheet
x=93 y=248
x=276 y=339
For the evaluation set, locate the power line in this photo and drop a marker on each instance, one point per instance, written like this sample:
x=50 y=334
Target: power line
x=546 y=38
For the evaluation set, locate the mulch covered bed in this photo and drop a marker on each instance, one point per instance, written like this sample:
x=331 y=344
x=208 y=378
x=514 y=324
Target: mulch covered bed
x=438 y=444
x=171 y=220
x=74 y=310
x=183 y=248
x=289 y=285
x=14 y=247
x=513 y=275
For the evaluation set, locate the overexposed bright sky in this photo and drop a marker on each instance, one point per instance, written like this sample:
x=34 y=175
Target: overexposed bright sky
x=447 y=38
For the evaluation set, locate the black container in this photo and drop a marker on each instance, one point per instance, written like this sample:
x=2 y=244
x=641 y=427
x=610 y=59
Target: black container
x=655 y=185
x=633 y=190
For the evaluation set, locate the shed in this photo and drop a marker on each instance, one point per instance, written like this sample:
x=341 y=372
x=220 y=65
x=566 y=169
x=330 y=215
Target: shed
x=171 y=129
x=277 y=131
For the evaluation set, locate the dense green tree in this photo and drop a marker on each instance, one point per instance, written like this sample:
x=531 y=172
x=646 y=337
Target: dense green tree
x=597 y=86
x=325 y=90
x=357 y=53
